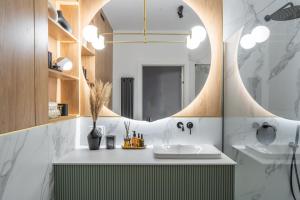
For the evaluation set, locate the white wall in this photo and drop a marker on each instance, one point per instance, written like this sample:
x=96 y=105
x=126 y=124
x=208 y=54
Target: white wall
x=128 y=60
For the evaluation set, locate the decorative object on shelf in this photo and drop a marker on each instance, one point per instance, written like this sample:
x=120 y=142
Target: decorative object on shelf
x=110 y=141
x=85 y=73
x=64 y=110
x=63 y=64
x=53 y=111
x=49 y=59
x=99 y=97
x=52 y=13
x=63 y=22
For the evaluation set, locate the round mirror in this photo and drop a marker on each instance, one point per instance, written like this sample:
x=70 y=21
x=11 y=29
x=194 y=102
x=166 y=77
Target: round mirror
x=156 y=54
x=268 y=59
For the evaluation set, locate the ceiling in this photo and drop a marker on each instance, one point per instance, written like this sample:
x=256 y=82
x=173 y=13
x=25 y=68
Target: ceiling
x=127 y=15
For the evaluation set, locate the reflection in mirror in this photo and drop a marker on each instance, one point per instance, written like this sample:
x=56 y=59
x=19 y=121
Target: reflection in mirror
x=268 y=59
x=160 y=58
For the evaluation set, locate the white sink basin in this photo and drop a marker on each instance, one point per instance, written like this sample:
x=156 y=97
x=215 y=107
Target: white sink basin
x=178 y=151
x=274 y=151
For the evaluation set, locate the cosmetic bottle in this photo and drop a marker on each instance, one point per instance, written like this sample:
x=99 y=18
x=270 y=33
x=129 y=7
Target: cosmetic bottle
x=142 y=142
x=134 y=140
x=138 y=140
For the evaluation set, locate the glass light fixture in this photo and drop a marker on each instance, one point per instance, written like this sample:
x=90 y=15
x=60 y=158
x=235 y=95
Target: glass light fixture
x=199 y=33
x=90 y=33
x=197 y=36
x=247 y=41
x=260 y=33
x=99 y=43
x=192 y=43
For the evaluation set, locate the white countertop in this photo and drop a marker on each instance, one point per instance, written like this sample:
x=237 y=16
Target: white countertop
x=131 y=157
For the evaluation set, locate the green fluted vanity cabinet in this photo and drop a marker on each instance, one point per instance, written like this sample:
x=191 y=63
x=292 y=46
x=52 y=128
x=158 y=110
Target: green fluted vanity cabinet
x=146 y=179
x=144 y=182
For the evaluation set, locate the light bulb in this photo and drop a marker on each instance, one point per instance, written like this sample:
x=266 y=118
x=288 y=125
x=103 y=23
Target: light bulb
x=99 y=43
x=197 y=36
x=90 y=33
x=198 y=33
x=247 y=41
x=260 y=33
x=192 y=43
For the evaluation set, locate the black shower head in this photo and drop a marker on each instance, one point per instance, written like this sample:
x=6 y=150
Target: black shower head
x=286 y=12
x=180 y=11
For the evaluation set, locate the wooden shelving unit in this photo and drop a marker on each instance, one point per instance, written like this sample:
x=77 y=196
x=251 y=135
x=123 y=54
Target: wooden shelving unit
x=61 y=75
x=63 y=87
x=85 y=51
x=59 y=33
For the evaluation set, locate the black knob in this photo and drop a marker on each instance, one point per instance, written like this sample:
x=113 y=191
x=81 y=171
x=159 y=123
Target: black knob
x=180 y=125
x=190 y=125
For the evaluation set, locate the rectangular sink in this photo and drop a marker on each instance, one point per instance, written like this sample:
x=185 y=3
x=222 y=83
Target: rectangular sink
x=203 y=151
x=274 y=151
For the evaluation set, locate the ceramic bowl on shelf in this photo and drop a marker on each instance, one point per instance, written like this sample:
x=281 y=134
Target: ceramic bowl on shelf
x=52 y=13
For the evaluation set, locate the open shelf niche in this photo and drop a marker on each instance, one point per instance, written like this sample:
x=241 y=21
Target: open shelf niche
x=63 y=87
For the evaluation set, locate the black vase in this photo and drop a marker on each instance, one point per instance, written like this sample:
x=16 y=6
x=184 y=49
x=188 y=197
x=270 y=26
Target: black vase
x=63 y=22
x=94 y=138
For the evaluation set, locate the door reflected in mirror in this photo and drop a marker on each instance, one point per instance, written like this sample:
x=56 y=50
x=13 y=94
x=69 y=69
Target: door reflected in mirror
x=157 y=61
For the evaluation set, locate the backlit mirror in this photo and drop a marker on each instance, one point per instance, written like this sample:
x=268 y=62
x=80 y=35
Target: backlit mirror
x=160 y=56
x=268 y=59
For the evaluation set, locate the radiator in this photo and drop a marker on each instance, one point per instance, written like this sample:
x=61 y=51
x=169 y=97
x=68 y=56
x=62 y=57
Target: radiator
x=127 y=91
x=143 y=182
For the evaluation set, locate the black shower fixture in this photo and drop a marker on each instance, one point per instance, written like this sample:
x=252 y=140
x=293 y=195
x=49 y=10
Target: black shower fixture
x=286 y=12
x=180 y=11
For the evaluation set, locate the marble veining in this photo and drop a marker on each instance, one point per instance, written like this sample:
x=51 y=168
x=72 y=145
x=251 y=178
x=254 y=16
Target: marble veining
x=264 y=69
x=26 y=160
x=254 y=180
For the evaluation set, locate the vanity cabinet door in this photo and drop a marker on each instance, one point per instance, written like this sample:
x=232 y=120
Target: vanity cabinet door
x=18 y=64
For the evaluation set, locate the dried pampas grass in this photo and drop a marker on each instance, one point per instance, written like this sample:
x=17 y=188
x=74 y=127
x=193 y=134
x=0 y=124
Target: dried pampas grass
x=99 y=96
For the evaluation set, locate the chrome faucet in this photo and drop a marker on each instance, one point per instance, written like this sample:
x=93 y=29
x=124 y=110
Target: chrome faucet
x=294 y=145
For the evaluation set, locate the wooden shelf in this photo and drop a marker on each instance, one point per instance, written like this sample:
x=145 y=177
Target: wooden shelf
x=86 y=51
x=62 y=118
x=61 y=75
x=57 y=32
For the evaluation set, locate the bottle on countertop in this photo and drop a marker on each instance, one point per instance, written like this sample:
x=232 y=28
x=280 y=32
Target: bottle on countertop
x=134 y=140
x=138 y=140
x=142 y=142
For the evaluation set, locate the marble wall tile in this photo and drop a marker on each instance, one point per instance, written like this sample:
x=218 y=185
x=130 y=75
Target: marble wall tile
x=26 y=160
x=254 y=181
x=165 y=131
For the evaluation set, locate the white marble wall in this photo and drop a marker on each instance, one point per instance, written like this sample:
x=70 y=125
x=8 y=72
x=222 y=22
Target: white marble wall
x=165 y=131
x=26 y=159
x=254 y=181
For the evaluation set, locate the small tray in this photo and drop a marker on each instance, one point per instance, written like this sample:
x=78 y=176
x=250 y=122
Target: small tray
x=133 y=148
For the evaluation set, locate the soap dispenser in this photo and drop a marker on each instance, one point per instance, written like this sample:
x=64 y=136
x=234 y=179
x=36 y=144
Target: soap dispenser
x=134 y=140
